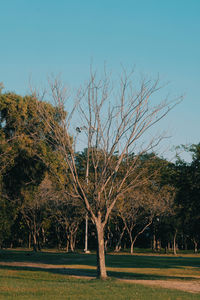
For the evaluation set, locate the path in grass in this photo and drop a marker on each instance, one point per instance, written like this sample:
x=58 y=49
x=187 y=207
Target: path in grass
x=186 y=286
x=192 y=286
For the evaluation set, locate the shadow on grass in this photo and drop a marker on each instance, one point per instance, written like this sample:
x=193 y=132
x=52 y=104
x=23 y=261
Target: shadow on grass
x=112 y=260
x=85 y=273
x=57 y=258
x=62 y=271
x=151 y=261
x=139 y=276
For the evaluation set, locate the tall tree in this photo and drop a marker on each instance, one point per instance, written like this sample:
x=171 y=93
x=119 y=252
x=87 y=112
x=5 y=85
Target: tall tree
x=110 y=122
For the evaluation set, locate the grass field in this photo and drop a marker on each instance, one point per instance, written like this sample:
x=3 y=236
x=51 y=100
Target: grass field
x=49 y=275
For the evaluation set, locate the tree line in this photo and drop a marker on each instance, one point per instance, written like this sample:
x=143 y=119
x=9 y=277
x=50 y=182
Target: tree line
x=129 y=195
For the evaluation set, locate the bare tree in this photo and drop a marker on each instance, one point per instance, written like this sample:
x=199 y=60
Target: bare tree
x=33 y=210
x=116 y=120
x=68 y=214
x=139 y=207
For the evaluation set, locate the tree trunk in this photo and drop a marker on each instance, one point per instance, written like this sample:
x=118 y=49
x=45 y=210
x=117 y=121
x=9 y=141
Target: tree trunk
x=29 y=240
x=158 y=245
x=154 y=243
x=108 y=239
x=106 y=245
x=118 y=245
x=57 y=232
x=86 y=234
x=35 y=246
x=73 y=234
x=67 y=238
x=138 y=234
x=72 y=241
x=174 y=242
x=38 y=242
x=195 y=245
x=132 y=244
x=131 y=239
x=185 y=245
x=71 y=245
x=43 y=236
x=169 y=246
x=67 y=246
x=101 y=266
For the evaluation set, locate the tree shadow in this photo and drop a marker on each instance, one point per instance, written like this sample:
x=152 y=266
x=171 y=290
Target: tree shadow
x=151 y=261
x=91 y=274
x=57 y=258
x=112 y=261
x=84 y=273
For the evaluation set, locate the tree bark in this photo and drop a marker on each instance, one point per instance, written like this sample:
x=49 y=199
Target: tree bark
x=101 y=266
x=38 y=242
x=154 y=243
x=29 y=240
x=174 y=242
x=195 y=245
x=132 y=244
x=43 y=237
x=73 y=239
x=118 y=245
x=35 y=245
x=67 y=246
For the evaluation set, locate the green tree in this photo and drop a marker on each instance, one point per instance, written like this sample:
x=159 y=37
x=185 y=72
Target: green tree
x=22 y=167
x=188 y=195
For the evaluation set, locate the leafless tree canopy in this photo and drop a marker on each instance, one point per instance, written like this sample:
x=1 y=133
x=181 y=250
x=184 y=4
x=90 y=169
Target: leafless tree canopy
x=111 y=122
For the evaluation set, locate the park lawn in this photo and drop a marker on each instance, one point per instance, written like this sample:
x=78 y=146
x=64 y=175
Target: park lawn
x=20 y=284
x=118 y=265
x=47 y=275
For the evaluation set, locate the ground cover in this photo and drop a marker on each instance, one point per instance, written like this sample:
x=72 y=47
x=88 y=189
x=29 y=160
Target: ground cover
x=53 y=275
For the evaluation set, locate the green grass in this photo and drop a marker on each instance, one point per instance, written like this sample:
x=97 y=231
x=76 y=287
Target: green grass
x=15 y=284
x=55 y=283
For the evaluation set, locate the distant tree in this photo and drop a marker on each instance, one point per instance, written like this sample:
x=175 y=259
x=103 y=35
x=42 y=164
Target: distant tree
x=6 y=219
x=140 y=206
x=21 y=166
x=188 y=195
x=64 y=212
x=1 y=87
x=34 y=210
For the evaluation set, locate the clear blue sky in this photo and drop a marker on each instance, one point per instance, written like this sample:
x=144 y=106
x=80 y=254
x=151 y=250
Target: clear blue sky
x=47 y=36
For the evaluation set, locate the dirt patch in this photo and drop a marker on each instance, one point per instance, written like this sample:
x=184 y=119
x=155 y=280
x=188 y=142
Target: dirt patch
x=186 y=286
x=192 y=286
